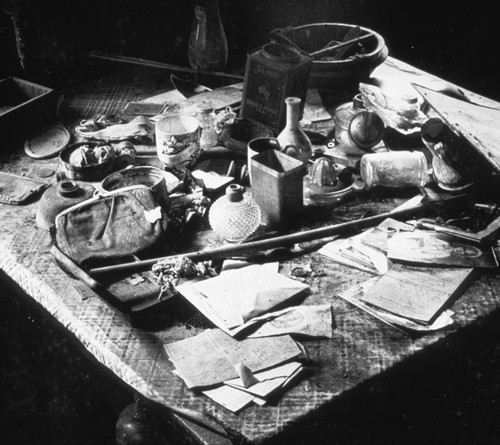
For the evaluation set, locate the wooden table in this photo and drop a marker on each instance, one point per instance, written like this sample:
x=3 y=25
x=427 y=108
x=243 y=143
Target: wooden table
x=361 y=349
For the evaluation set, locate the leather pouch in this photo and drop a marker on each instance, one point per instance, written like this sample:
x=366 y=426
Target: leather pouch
x=127 y=221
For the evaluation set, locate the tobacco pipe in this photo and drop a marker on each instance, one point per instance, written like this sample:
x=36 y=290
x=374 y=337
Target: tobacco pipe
x=227 y=251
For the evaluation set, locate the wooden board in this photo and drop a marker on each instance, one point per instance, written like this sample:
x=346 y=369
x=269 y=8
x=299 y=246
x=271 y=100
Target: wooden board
x=478 y=124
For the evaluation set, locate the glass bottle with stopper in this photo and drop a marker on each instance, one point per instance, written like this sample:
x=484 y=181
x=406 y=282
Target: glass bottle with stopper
x=207 y=47
x=234 y=216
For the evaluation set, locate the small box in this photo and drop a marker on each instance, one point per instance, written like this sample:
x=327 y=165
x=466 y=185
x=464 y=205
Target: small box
x=272 y=74
x=277 y=187
x=24 y=106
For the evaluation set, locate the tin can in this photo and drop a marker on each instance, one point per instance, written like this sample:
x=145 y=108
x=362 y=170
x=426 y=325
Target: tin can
x=272 y=74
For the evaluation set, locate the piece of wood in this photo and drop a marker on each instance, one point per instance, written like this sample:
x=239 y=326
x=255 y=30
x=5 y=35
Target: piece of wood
x=351 y=34
x=330 y=49
x=227 y=251
x=161 y=65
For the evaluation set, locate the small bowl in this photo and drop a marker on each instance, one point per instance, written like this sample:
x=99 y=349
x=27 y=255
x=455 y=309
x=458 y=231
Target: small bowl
x=178 y=141
x=150 y=176
x=91 y=172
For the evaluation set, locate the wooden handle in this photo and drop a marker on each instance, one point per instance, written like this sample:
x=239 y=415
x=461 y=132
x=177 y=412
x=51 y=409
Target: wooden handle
x=227 y=251
x=325 y=51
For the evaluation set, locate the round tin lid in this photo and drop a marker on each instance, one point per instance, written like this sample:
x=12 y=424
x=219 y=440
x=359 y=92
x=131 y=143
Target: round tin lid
x=47 y=142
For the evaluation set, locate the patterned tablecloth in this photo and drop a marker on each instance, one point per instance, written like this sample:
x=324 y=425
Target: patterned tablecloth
x=362 y=347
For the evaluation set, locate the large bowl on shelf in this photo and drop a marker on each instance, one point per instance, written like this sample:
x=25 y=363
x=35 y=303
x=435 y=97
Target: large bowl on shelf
x=337 y=75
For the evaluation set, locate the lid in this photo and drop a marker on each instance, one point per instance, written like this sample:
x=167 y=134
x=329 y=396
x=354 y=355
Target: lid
x=366 y=129
x=47 y=142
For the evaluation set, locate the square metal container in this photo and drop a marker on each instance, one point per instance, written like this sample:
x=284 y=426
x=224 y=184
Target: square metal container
x=277 y=187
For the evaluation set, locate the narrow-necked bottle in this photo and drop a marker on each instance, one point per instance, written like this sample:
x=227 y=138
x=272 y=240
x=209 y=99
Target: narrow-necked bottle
x=292 y=139
x=207 y=48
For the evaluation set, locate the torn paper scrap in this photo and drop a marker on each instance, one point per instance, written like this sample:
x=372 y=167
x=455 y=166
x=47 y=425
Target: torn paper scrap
x=311 y=321
x=220 y=352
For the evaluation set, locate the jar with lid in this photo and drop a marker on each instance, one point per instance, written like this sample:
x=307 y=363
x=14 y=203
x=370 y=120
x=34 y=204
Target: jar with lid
x=234 y=216
x=394 y=169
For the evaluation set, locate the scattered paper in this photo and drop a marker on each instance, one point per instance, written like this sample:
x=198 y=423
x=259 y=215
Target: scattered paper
x=234 y=396
x=210 y=357
x=417 y=293
x=232 y=399
x=239 y=297
x=355 y=294
x=311 y=321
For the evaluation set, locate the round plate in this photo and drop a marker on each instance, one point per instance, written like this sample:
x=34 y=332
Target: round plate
x=48 y=142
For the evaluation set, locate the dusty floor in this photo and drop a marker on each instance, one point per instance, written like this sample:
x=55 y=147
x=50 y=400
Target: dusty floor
x=53 y=392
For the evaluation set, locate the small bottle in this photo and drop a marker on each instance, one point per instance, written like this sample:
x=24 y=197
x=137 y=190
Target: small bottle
x=293 y=141
x=208 y=124
x=395 y=169
x=234 y=216
x=343 y=116
x=207 y=47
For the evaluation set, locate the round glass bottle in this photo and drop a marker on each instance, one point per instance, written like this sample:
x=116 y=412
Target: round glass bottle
x=234 y=216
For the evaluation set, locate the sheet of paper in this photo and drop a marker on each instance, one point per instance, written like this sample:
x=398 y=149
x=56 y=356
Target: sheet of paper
x=312 y=321
x=242 y=294
x=354 y=296
x=220 y=354
x=428 y=247
x=231 y=398
x=418 y=293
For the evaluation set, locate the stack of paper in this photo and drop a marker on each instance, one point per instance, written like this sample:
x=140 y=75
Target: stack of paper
x=236 y=373
x=412 y=292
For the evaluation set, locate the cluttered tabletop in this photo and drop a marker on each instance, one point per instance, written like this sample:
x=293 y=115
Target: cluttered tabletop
x=245 y=254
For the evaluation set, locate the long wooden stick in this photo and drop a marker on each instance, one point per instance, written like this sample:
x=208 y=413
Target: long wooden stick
x=230 y=250
x=330 y=49
x=161 y=65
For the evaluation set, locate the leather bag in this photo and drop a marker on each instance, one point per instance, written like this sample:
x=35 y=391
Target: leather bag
x=127 y=221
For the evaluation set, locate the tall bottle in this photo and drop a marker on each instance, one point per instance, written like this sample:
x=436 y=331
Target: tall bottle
x=292 y=139
x=207 y=48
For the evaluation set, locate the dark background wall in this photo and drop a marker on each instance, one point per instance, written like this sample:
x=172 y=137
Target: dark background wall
x=456 y=40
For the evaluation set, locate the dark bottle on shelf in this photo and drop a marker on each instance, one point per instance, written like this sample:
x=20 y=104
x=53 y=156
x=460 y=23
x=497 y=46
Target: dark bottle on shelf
x=207 y=48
